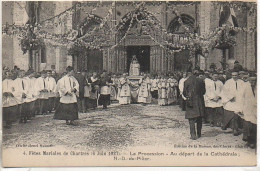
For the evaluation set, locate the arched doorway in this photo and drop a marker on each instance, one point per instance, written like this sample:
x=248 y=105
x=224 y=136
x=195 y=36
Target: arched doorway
x=137 y=41
x=182 y=58
x=89 y=58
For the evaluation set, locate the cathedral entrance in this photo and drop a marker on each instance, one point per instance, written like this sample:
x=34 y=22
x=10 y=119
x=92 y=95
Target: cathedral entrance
x=142 y=54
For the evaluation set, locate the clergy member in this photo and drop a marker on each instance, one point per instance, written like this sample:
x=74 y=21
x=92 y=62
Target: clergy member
x=68 y=88
x=42 y=92
x=249 y=113
x=144 y=93
x=231 y=99
x=51 y=87
x=124 y=91
x=213 y=100
x=30 y=94
x=10 y=105
x=163 y=86
x=105 y=83
x=19 y=94
x=181 y=86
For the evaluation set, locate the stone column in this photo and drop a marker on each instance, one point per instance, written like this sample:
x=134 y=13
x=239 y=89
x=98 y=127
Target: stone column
x=62 y=58
x=205 y=22
x=250 y=58
x=19 y=18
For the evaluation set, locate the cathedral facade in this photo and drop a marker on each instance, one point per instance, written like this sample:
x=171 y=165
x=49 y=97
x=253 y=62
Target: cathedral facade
x=149 y=48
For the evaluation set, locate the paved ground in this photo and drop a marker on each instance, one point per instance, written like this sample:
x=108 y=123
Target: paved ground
x=117 y=127
x=120 y=127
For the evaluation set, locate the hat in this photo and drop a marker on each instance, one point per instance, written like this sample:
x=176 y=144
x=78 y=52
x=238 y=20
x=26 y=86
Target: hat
x=43 y=72
x=235 y=70
x=241 y=72
x=69 y=68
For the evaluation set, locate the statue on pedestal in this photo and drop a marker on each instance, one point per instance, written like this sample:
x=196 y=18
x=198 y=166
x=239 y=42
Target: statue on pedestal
x=134 y=67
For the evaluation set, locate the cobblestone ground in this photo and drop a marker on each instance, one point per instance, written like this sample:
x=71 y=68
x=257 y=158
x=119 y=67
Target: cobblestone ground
x=119 y=127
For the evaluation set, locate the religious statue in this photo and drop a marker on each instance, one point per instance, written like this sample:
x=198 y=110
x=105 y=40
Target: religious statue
x=134 y=67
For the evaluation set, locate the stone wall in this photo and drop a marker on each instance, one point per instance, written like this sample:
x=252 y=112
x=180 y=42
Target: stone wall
x=208 y=17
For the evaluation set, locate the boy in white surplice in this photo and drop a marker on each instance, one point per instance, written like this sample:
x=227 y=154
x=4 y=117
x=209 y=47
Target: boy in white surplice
x=68 y=88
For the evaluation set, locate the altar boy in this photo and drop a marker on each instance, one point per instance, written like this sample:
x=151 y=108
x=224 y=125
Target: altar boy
x=68 y=88
x=10 y=105
x=42 y=92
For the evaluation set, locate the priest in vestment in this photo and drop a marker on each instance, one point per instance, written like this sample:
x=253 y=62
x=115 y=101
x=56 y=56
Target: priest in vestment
x=124 y=91
x=68 y=88
x=163 y=86
x=144 y=93
x=134 y=67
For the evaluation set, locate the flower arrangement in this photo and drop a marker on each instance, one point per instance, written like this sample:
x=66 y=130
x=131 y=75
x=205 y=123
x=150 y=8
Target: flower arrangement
x=30 y=42
x=226 y=39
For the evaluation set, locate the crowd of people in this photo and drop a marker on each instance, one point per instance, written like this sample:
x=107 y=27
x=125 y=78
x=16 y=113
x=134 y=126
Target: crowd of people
x=217 y=98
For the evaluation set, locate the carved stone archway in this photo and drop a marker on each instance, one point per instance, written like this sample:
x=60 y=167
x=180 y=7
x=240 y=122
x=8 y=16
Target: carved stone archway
x=181 y=25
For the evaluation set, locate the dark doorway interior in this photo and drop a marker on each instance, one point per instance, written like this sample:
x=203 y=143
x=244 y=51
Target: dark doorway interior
x=181 y=60
x=95 y=60
x=142 y=54
x=90 y=60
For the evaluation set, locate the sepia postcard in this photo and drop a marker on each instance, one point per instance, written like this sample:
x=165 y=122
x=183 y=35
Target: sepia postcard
x=129 y=83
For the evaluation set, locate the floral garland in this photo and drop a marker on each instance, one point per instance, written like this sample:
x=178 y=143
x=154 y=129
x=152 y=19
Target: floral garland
x=191 y=41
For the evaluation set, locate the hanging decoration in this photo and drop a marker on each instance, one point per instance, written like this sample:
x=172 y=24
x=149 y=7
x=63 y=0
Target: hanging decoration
x=99 y=37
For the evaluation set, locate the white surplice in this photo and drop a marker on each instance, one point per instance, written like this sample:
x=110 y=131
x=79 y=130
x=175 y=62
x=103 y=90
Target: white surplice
x=232 y=90
x=249 y=109
x=213 y=90
x=41 y=84
x=31 y=93
x=65 y=85
x=19 y=89
x=8 y=87
x=181 y=85
x=51 y=86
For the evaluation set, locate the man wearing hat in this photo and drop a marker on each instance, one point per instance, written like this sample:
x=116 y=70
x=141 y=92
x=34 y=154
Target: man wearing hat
x=194 y=89
x=237 y=66
x=42 y=92
x=231 y=98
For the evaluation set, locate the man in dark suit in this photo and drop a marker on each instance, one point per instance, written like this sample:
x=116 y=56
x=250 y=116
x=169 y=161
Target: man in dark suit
x=80 y=77
x=194 y=89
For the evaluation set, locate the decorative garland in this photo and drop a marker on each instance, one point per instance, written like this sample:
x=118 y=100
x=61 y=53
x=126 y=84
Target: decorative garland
x=215 y=39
